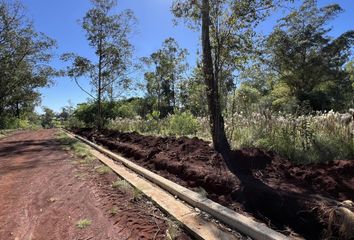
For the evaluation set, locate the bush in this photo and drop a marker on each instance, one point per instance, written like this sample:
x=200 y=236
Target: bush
x=182 y=124
x=17 y=123
x=73 y=122
x=178 y=124
x=126 y=110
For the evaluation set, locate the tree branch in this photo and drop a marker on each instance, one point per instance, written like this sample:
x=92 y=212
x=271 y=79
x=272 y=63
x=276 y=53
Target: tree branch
x=77 y=83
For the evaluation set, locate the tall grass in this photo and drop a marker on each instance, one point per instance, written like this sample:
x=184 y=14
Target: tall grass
x=319 y=137
x=179 y=124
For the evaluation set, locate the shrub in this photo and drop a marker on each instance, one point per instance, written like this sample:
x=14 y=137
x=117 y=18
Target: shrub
x=182 y=124
x=125 y=111
x=17 y=123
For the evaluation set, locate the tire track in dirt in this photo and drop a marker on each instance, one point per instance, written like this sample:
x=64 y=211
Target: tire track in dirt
x=42 y=197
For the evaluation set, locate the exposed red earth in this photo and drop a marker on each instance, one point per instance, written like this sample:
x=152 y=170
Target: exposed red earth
x=287 y=197
x=44 y=193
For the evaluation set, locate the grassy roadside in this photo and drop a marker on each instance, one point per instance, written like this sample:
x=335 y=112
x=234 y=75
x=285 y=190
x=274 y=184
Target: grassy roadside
x=7 y=132
x=79 y=149
x=82 y=152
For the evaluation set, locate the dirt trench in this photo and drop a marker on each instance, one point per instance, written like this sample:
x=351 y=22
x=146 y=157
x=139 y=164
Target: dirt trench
x=291 y=199
x=45 y=193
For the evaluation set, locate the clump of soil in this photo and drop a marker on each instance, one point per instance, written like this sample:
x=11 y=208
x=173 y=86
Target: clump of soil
x=262 y=185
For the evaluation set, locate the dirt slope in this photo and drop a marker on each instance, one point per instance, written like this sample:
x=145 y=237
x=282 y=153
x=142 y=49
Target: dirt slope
x=43 y=195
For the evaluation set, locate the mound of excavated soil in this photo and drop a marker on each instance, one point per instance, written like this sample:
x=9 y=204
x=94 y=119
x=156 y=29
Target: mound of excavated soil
x=263 y=185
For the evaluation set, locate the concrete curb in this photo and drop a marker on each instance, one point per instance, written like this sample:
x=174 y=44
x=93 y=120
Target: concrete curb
x=235 y=220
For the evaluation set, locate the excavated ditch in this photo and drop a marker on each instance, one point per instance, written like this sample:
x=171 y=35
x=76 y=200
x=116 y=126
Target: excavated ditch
x=295 y=200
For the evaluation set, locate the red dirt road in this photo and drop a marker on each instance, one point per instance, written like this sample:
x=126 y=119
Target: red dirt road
x=42 y=197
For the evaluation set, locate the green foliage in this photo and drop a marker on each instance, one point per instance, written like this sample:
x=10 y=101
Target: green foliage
x=307 y=63
x=181 y=124
x=13 y=123
x=232 y=34
x=103 y=169
x=48 y=118
x=126 y=110
x=85 y=113
x=78 y=148
x=173 y=231
x=108 y=35
x=74 y=122
x=246 y=96
x=282 y=99
x=302 y=139
x=154 y=115
x=113 y=211
x=192 y=93
x=83 y=223
x=350 y=70
x=122 y=184
x=24 y=57
x=163 y=81
x=29 y=120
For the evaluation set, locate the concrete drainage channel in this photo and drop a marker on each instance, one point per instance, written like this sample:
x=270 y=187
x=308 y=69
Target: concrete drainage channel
x=182 y=212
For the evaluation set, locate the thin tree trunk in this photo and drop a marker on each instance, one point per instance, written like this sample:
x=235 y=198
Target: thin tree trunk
x=17 y=109
x=173 y=93
x=233 y=107
x=99 y=97
x=216 y=120
x=159 y=96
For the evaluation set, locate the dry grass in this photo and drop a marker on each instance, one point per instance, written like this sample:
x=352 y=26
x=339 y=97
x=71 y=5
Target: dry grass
x=113 y=211
x=103 y=169
x=340 y=219
x=173 y=230
x=83 y=223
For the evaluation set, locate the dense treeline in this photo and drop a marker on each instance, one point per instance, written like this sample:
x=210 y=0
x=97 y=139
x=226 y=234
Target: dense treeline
x=302 y=65
x=24 y=58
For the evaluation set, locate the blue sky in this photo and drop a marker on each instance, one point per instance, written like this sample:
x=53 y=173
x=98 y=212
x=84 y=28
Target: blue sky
x=59 y=20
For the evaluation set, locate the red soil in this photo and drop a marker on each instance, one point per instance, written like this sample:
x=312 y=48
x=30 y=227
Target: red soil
x=44 y=194
x=262 y=184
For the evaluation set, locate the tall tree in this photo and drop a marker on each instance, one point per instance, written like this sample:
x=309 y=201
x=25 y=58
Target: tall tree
x=163 y=82
x=304 y=58
x=24 y=57
x=108 y=34
x=227 y=28
x=48 y=117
